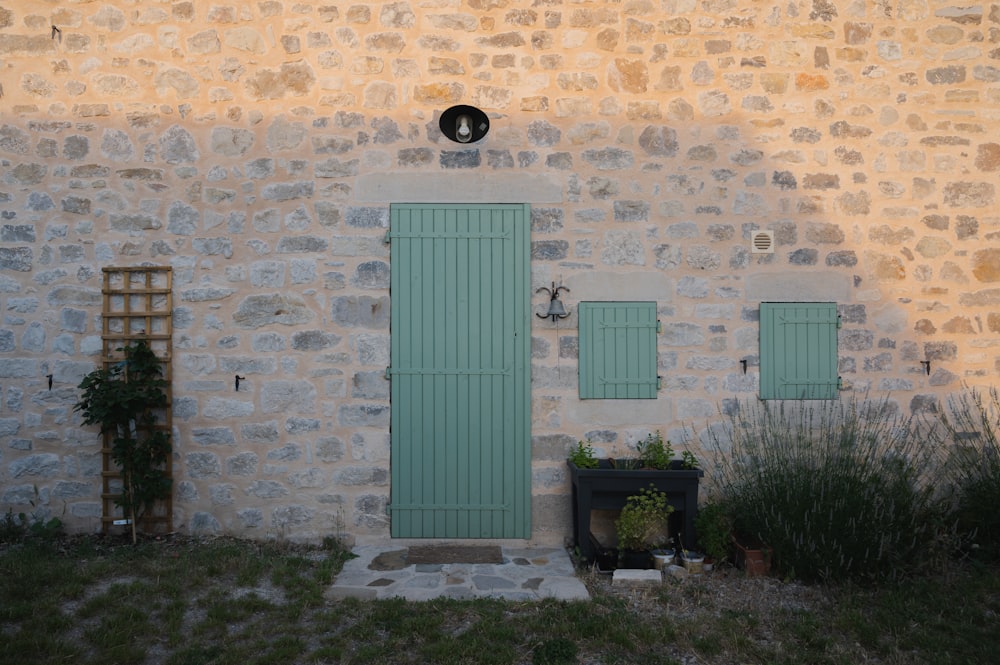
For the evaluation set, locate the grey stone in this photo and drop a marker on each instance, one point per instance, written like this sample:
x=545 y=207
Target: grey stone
x=251 y=518
x=76 y=147
x=242 y=464
x=286 y=453
x=177 y=146
x=206 y=294
x=549 y=250
x=314 y=340
x=703 y=258
x=804 y=257
x=659 y=141
x=288 y=397
x=73 y=320
x=267 y=341
x=362 y=475
x=692 y=287
x=17 y=233
x=543 y=134
x=364 y=415
x=117 y=146
x=330 y=449
x=361 y=311
x=266 y=432
x=257 y=311
x=291 y=516
x=296 y=425
x=302 y=244
x=370 y=385
x=219 y=408
x=43 y=465
x=288 y=191
x=609 y=159
x=39 y=202
x=19 y=259
x=81 y=296
x=219 y=436
x=247 y=364
x=683 y=334
x=367 y=218
x=631 y=211
x=371 y=275
x=460 y=159
x=231 y=141
x=267 y=489
x=203 y=465
x=27 y=174
x=267 y=274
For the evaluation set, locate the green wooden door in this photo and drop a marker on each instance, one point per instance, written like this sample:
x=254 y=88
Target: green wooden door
x=460 y=371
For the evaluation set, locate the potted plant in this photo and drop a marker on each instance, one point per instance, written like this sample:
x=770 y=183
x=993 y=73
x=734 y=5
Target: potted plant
x=123 y=399
x=641 y=525
x=715 y=531
x=606 y=483
x=583 y=456
x=753 y=556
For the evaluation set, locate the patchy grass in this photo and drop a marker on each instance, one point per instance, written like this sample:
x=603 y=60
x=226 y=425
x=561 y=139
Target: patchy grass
x=222 y=602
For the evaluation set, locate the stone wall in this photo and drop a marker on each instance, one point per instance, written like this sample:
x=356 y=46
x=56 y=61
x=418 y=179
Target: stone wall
x=256 y=147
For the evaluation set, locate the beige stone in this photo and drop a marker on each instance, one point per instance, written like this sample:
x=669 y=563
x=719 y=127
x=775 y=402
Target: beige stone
x=986 y=265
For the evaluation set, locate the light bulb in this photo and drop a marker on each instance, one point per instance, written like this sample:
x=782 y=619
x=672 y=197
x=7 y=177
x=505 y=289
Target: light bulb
x=463 y=130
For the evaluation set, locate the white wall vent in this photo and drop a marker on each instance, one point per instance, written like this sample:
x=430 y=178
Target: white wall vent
x=763 y=242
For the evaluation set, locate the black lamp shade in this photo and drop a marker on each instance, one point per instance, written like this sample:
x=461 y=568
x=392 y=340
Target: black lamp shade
x=464 y=124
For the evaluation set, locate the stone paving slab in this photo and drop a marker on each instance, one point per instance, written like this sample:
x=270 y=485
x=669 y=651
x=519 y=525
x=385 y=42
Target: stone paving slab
x=525 y=574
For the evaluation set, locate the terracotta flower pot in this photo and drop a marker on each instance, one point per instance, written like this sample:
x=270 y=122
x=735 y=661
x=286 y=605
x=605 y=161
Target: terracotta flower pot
x=754 y=558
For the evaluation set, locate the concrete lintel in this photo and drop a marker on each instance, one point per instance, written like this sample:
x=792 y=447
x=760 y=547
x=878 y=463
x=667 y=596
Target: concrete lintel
x=820 y=286
x=456 y=187
x=652 y=413
x=621 y=286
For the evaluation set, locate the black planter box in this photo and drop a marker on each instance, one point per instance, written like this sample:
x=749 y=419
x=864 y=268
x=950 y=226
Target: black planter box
x=607 y=488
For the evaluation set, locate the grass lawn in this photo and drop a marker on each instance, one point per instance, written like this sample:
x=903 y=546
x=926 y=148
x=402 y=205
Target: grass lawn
x=186 y=602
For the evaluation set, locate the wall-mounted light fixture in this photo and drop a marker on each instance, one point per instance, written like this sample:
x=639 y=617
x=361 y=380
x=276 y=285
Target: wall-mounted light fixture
x=464 y=124
x=556 y=308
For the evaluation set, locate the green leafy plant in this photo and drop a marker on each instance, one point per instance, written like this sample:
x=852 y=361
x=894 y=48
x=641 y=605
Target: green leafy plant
x=689 y=461
x=123 y=399
x=583 y=456
x=641 y=525
x=838 y=490
x=654 y=452
x=715 y=530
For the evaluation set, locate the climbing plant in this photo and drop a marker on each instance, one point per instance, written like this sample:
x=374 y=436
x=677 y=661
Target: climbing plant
x=123 y=398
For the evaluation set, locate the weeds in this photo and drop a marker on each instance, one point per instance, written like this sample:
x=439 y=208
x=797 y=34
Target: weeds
x=839 y=490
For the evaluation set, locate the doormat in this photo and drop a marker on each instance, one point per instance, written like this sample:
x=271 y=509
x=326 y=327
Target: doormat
x=455 y=554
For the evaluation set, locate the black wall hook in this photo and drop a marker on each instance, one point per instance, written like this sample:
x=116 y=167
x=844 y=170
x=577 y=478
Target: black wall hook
x=238 y=379
x=744 y=363
x=49 y=377
x=927 y=366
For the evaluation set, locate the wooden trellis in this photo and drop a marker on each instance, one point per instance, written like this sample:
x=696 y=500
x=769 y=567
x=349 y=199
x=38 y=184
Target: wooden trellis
x=137 y=306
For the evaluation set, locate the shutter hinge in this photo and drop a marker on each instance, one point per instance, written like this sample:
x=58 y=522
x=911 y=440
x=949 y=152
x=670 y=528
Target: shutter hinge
x=840 y=383
x=659 y=382
x=840 y=323
x=387 y=237
x=659 y=326
x=388 y=373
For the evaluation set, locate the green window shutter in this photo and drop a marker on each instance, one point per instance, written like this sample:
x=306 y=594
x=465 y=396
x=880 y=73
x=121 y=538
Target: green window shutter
x=617 y=350
x=798 y=351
